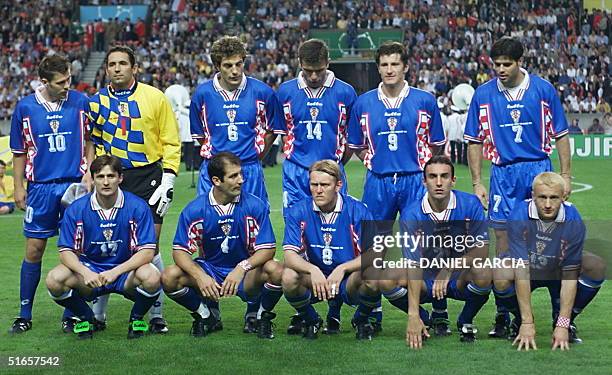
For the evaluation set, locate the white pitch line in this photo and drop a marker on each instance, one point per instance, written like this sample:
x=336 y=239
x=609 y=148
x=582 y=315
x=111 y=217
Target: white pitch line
x=583 y=187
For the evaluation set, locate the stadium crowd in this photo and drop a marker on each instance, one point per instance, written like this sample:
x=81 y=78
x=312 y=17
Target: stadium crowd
x=447 y=41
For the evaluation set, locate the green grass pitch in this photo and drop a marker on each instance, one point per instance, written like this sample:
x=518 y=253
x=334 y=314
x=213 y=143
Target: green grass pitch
x=231 y=351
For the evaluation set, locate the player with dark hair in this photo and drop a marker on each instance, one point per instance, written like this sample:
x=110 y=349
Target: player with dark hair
x=513 y=118
x=548 y=235
x=323 y=250
x=234 y=113
x=313 y=124
x=48 y=129
x=135 y=122
x=441 y=214
x=107 y=241
x=230 y=231
x=395 y=129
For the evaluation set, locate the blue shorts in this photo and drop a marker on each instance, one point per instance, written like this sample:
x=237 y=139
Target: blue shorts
x=219 y=274
x=452 y=291
x=511 y=184
x=386 y=195
x=44 y=209
x=343 y=294
x=253 y=180
x=296 y=183
x=117 y=286
x=10 y=205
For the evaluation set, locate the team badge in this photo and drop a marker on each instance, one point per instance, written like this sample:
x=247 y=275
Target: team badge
x=327 y=238
x=226 y=228
x=108 y=234
x=231 y=115
x=124 y=109
x=392 y=122
x=314 y=112
x=54 y=124
x=540 y=246
x=516 y=115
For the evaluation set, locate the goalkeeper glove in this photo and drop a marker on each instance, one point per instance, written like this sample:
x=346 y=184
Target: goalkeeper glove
x=163 y=194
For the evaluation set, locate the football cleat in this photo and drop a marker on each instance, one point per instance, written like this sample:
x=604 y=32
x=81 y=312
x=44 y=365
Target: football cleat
x=68 y=324
x=84 y=330
x=202 y=326
x=573 y=335
x=99 y=325
x=311 y=330
x=467 y=333
x=365 y=331
x=332 y=327
x=137 y=329
x=296 y=325
x=250 y=325
x=158 y=325
x=20 y=325
x=501 y=328
x=265 y=325
x=440 y=326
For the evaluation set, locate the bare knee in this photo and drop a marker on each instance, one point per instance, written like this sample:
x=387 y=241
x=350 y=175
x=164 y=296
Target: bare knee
x=290 y=280
x=170 y=278
x=386 y=285
x=593 y=266
x=56 y=280
x=149 y=277
x=35 y=249
x=274 y=272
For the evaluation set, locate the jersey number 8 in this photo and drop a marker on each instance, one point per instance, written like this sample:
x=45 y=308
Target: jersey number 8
x=326 y=256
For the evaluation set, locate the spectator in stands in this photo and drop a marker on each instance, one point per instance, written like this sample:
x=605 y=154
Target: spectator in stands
x=574 y=127
x=596 y=127
x=7 y=201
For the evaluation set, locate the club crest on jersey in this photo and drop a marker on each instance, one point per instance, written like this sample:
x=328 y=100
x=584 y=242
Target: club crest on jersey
x=540 y=246
x=516 y=115
x=314 y=112
x=226 y=228
x=392 y=122
x=108 y=234
x=231 y=115
x=124 y=109
x=327 y=238
x=54 y=124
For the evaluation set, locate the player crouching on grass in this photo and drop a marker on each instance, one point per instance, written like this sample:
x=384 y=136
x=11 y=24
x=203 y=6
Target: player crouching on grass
x=548 y=234
x=322 y=247
x=231 y=232
x=107 y=243
x=454 y=230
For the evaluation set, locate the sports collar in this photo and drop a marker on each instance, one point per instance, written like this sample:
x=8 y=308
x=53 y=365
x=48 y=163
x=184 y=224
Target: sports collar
x=427 y=209
x=118 y=203
x=533 y=212
x=330 y=77
x=123 y=92
x=338 y=208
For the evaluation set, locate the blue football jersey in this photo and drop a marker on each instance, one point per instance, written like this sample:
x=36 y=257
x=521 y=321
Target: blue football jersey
x=451 y=232
x=52 y=135
x=519 y=128
x=547 y=247
x=314 y=123
x=398 y=132
x=224 y=235
x=107 y=237
x=234 y=121
x=326 y=240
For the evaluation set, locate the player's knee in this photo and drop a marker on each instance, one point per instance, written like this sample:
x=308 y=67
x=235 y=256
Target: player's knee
x=34 y=253
x=56 y=280
x=149 y=276
x=502 y=284
x=482 y=276
x=386 y=285
x=370 y=285
x=290 y=279
x=593 y=266
x=170 y=278
x=274 y=270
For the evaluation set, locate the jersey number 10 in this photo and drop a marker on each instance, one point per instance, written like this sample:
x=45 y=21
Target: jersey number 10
x=57 y=143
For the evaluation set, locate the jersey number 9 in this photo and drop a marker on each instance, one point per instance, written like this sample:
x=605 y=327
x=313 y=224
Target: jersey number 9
x=392 y=139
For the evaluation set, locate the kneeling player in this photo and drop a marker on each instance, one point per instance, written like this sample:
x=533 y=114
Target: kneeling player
x=232 y=234
x=548 y=234
x=323 y=252
x=452 y=241
x=107 y=241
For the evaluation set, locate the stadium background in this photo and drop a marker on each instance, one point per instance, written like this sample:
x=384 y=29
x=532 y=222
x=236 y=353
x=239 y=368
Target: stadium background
x=567 y=43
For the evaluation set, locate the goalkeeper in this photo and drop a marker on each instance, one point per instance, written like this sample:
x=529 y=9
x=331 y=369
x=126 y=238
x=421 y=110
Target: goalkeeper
x=135 y=122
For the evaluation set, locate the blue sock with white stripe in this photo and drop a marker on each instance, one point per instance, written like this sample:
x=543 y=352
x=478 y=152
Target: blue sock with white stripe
x=587 y=290
x=475 y=298
x=303 y=306
x=143 y=302
x=270 y=295
x=72 y=300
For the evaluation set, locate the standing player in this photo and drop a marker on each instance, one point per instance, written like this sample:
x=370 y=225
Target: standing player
x=135 y=122
x=233 y=113
x=48 y=129
x=548 y=235
x=314 y=122
x=106 y=244
x=323 y=252
x=441 y=217
x=513 y=119
x=231 y=232
x=395 y=129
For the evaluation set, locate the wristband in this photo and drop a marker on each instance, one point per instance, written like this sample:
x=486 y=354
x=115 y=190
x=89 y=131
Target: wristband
x=563 y=322
x=245 y=265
